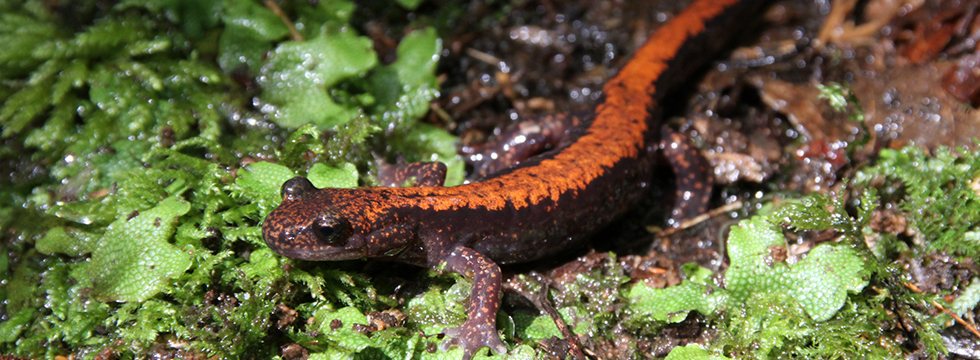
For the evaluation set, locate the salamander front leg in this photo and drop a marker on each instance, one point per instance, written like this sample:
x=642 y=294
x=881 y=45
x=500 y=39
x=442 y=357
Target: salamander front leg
x=480 y=329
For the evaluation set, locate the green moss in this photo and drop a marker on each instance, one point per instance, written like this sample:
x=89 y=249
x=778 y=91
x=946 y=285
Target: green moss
x=842 y=99
x=937 y=193
x=144 y=227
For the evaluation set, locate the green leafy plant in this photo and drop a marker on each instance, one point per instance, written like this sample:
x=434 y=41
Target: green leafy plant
x=145 y=225
x=769 y=306
x=937 y=193
x=819 y=306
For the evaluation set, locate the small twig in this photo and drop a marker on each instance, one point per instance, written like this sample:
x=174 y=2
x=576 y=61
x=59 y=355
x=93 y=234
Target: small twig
x=441 y=113
x=955 y=317
x=687 y=223
x=484 y=57
x=293 y=33
x=836 y=29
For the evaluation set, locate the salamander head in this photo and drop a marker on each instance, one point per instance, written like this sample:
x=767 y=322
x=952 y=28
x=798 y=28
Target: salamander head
x=309 y=226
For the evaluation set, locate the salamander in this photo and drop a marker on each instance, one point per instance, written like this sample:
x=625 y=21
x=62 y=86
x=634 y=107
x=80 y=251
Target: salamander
x=544 y=204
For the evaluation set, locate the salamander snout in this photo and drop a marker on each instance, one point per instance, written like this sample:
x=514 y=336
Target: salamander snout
x=308 y=225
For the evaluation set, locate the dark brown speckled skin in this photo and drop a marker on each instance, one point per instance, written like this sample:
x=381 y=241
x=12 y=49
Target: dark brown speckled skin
x=537 y=208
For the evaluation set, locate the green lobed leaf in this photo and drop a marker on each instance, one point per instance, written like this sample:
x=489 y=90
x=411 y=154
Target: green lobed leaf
x=748 y=245
x=87 y=212
x=134 y=260
x=418 y=55
x=820 y=282
x=693 y=352
x=338 y=327
x=672 y=304
x=405 y=88
x=409 y=4
x=249 y=32
x=414 y=70
x=261 y=182
x=326 y=176
x=68 y=241
x=436 y=144
x=328 y=15
x=297 y=79
x=439 y=308
x=542 y=327
x=241 y=15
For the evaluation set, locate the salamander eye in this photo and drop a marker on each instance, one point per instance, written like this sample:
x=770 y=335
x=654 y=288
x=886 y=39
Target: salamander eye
x=330 y=230
x=296 y=188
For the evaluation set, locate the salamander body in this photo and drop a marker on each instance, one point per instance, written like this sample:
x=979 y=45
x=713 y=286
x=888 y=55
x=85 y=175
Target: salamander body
x=539 y=207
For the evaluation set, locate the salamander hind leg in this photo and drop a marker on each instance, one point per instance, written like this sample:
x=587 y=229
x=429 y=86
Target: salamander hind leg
x=520 y=142
x=423 y=174
x=693 y=177
x=480 y=328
